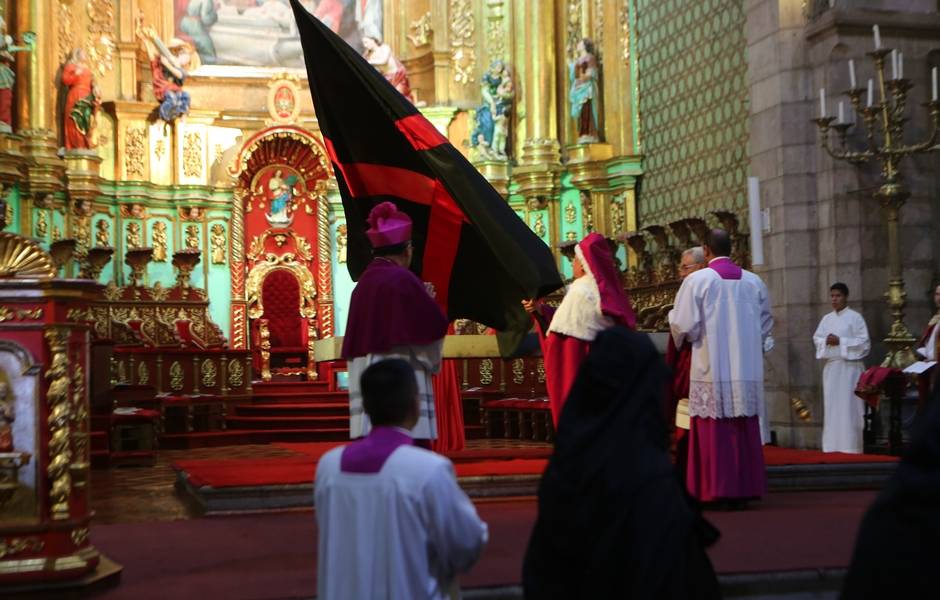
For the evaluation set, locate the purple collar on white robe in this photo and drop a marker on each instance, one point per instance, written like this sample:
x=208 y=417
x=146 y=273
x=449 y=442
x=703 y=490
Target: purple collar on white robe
x=725 y=268
x=369 y=454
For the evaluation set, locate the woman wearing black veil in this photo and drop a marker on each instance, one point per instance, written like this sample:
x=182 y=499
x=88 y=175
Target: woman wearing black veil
x=614 y=521
x=898 y=547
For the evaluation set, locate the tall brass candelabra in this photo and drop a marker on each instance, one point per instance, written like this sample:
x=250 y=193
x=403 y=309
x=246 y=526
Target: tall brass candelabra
x=887 y=115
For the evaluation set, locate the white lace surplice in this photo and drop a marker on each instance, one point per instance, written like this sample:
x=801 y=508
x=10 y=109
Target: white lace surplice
x=727 y=322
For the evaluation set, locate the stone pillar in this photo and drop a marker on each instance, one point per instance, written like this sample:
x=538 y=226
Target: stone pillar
x=782 y=148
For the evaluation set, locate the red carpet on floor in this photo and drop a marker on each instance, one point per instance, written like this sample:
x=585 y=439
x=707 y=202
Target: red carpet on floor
x=300 y=469
x=261 y=557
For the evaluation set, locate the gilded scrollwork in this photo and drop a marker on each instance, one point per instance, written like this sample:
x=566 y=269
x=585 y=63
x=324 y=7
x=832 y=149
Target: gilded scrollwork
x=135 y=150
x=518 y=371
x=192 y=236
x=495 y=36
x=59 y=419
x=287 y=262
x=419 y=31
x=42 y=224
x=103 y=232
x=80 y=463
x=159 y=241
x=176 y=376
x=100 y=44
x=571 y=213
x=143 y=373
x=486 y=371
x=192 y=154
x=14 y=546
x=217 y=244
x=133 y=237
x=79 y=536
x=236 y=374
x=209 y=373
x=463 y=55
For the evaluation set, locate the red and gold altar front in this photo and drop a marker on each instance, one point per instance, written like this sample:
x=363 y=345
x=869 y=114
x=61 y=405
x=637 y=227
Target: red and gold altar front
x=44 y=419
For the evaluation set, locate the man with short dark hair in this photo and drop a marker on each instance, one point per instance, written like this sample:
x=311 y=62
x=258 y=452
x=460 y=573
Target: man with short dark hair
x=393 y=523
x=724 y=312
x=842 y=341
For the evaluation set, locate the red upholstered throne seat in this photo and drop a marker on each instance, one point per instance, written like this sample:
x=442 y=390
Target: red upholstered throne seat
x=287 y=331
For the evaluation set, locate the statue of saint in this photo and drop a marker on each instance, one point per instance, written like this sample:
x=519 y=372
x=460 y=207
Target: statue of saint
x=170 y=65
x=381 y=57
x=7 y=74
x=7 y=415
x=81 y=102
x=281 y=190
x=491 y=131
x=584 y=92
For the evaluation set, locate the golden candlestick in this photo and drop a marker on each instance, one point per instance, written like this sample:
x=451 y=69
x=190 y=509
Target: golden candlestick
x=887 y=118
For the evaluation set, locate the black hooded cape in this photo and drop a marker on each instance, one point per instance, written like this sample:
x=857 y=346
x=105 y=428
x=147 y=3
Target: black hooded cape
x=614 y=521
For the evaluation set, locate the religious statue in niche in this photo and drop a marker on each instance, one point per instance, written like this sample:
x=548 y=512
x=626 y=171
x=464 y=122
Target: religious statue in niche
x=584 y=94
x=133 y=237
x=490 y=134
x=170 y=64
x=380 y=56
x=7 y=416
x=81 y=102
x=158 y=241
x=217 y=242
x=103 y=233
x=7 y=74
x=281 y=199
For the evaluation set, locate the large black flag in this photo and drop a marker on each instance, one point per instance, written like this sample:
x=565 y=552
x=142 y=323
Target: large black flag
x=481 y=258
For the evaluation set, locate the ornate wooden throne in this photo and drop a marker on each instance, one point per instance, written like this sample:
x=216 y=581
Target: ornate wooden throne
x=282 y=312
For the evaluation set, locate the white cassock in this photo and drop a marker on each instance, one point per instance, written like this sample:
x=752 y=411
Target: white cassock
x=843 y=412
x=425 y=360
x=403 y=533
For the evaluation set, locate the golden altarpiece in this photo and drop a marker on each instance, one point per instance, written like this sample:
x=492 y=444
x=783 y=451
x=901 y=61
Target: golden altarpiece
x=176 y=161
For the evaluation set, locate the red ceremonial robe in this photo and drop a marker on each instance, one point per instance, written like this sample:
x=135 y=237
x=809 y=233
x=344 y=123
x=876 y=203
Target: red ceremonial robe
x=680 y=361
x=450 y=433
x=563 y=356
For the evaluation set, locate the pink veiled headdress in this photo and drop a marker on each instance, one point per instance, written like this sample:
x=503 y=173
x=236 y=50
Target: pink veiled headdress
x=598 y=258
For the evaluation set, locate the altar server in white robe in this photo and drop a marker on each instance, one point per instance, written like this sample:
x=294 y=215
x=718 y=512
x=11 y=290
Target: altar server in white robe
x=724 y=312
x=393 y=523
x=842 y=341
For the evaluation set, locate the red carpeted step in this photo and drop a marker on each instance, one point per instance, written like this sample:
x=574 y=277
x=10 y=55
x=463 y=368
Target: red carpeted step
x=99 y=441
x=297 y=397
x=249 y=436
x=278 y=387
x=288 y=422
x=292 y=409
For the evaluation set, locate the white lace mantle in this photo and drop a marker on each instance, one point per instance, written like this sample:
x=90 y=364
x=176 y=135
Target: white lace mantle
x=579 y=314
x=725 y=399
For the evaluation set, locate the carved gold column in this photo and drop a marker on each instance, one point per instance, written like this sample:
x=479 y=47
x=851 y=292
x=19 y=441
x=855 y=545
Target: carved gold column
x=35 y=96
x=128 y=12
x=537 y=174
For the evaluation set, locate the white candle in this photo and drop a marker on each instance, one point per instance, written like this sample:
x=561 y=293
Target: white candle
x=900 y=65
x=877 y=37
x=894 y=64
x=822 y=103
x=933 y=78
x=755 y=221
x=841 y=112
x=851 y=73
x=871 y=93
